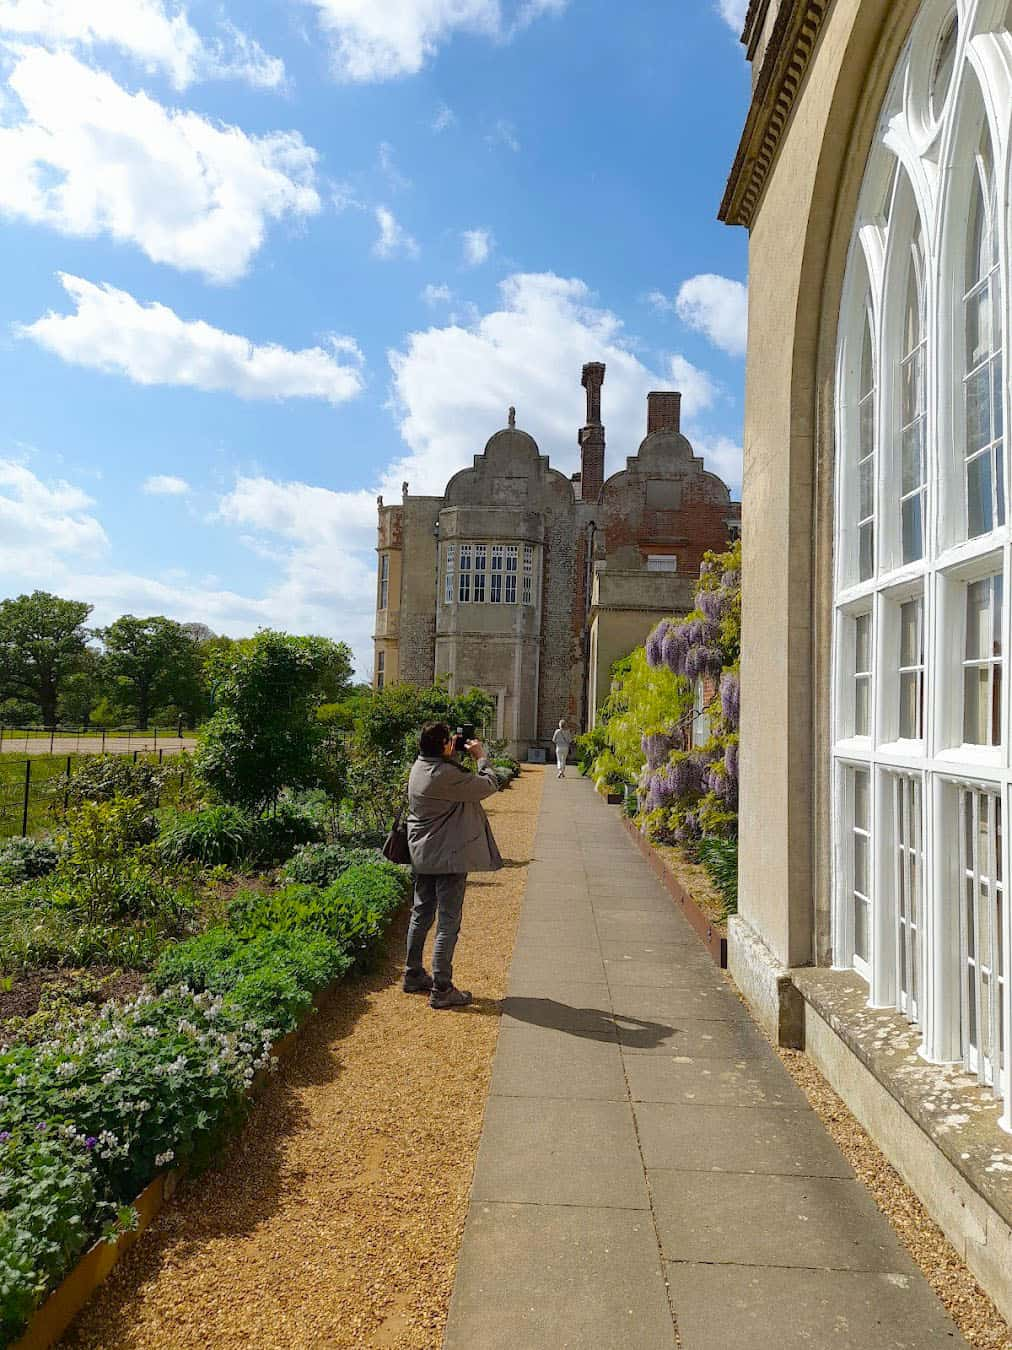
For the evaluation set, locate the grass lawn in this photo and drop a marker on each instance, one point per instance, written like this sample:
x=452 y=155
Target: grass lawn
x=44 y=808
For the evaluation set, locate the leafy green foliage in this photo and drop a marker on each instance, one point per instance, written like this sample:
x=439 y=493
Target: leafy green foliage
x=25 y=859
x=214 y=835
x=720 y=858
x=100 y=778
x=322 y=864
x=278 y=835
x=152 y=660
x=265 y=736
x=42 y=642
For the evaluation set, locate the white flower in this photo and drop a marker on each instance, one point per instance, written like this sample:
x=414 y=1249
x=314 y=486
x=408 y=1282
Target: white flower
x=164 y=1158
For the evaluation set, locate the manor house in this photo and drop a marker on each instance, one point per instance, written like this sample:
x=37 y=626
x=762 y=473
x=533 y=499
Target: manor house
x=530 y=585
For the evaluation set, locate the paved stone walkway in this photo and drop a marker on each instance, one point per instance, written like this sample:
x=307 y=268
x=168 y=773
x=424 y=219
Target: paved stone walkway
x=646 y=1162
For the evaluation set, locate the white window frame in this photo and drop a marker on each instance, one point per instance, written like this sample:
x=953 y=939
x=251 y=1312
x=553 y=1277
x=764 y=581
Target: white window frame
x=918 y=178
x=464 y=574
x=450 y=579
x=510 y=585
x=384 y=581
x=381 y=662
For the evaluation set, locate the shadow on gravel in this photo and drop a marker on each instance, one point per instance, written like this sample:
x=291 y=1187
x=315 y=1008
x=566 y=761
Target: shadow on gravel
x=593 y=1024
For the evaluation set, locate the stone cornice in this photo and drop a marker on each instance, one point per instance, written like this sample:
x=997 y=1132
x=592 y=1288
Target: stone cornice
x=788 y=53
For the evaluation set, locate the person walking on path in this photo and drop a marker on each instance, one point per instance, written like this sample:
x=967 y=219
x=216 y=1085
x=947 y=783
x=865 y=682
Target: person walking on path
x=562 y=740
x=448 y=836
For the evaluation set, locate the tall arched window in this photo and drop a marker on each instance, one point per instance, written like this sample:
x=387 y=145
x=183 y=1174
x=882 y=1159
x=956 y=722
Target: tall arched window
x=922 y=753
x=985 y=478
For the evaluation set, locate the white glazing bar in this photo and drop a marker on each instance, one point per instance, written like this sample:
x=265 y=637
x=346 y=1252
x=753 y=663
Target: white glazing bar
x=978 y=1011
x=992 y=949
x=908 y=892
x=965 y=805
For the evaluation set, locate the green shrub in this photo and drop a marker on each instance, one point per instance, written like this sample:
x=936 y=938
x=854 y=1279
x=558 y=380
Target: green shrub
x=270 y=977
x=212 y=836
x=24 y=859
x=277 y=836
x=321 y=864
x=720 y=858
x=49 y=1214
x=355 y=911
x=101 y=778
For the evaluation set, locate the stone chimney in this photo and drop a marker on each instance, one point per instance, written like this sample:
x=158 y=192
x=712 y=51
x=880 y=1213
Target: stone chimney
x=664 y=411
x=591 y=436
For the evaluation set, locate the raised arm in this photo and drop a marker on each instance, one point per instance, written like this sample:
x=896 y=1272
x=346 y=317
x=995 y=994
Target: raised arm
x=457 y=785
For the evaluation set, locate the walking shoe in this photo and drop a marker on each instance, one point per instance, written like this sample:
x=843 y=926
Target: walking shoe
x=451 y=997
x=417 y=984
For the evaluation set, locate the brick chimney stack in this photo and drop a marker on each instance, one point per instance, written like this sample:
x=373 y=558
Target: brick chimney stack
x=591 y=436
x=664 y=411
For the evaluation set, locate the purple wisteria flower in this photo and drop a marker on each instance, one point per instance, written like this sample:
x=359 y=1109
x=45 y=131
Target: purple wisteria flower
x=700 y=661
x=731 y=761
x=675 y=649
x=731 y=581
x=711 y=603
x=655 y=644
x=90 y=1142
x=730 y=699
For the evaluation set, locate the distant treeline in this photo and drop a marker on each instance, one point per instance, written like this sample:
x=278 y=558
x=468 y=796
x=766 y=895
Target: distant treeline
x=55 y=670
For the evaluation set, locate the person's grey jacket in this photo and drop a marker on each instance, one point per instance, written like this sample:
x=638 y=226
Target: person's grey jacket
x=448 y=830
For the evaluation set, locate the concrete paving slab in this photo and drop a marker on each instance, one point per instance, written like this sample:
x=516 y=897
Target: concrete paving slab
x=703 y=998
x=556 y=937
x=573 y=967
x=777 y=1309
x=535 y=1061
x=737 y=1139
x=632 y=925
x=738 y=1039
x=561 y=999
x=726 y=1219
x=710 y=1082
x=559 y=1152
x=668 y=953
x=660 y=974
x=540 y=1277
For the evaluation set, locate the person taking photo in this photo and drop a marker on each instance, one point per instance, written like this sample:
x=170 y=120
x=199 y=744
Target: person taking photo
x=448 y=836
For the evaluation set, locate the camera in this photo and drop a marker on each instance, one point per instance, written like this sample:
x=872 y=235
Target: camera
x=461 y=738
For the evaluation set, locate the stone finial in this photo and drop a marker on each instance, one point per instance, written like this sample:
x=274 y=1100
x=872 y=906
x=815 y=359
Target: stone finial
x=512 y=416
x=379 y=500
x=593 y=378
x=404 y=488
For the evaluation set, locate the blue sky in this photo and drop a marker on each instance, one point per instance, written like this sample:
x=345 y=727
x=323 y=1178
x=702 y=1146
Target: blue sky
x=262 y=261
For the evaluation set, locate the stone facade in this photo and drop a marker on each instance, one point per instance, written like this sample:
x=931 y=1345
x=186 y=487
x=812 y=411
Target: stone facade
x=528 y=584
x=821 y=73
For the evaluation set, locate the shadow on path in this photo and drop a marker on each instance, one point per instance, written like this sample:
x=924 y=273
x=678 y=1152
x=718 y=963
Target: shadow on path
x=593 y=1024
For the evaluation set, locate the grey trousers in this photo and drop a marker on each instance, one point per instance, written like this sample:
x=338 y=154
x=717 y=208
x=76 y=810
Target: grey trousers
x=438 y=899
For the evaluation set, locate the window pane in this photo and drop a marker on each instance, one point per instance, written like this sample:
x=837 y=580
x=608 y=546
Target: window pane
x=867 y=550
x=978 y=410
x=998 y=406
x=861 y=863
x=997 y=587
x=978 y=328
x=913 y=538
x=913 y=457
x=911 y=651
x=910 y=705
x=861 y=949
x=862 y=642
x=945 y=61
x=861 y=798
x=979 y=518
x=862 y=701
x=978 y=610
x=976 y=719
x=867 y=361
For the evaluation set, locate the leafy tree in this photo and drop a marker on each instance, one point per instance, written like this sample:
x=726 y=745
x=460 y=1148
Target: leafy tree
x=42 y=641
x=156 y=661
x=392 y=718
x=81 y=690
x=264 y=735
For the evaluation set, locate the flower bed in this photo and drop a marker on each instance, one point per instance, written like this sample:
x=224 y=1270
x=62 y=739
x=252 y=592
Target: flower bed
x=89 y=1117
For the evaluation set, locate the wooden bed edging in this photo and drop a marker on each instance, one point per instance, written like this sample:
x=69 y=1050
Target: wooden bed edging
x=54 y=1315
x=714 y=942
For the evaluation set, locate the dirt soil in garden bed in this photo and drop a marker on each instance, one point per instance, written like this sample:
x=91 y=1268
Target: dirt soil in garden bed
x=694 y=879
x=25 y=993
x=336 y=1218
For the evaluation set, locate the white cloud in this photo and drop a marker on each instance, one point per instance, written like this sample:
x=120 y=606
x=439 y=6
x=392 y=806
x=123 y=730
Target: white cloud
x=733 y=13
x=717 y=307
x=160 y=39
x=478 y=244
x=723 y=457
x=444 y=119
x=453 y=384
x=503 y=133
x=697 y=389
x=87 y=158
x=389 y=169
x=151 y=344
x=659 y=301
x=393 y=238
x=382 y=41
x=43 y=524
x=437 y=295
x=165 y=485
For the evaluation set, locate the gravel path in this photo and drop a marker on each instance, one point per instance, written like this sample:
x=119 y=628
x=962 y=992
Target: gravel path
x=336 y=1218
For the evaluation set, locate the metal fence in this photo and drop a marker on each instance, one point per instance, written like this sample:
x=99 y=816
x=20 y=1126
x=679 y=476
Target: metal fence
x=93 y=741
x=34 y=792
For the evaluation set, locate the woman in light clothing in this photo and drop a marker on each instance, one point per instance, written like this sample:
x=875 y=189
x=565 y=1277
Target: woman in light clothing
x=562 y=740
